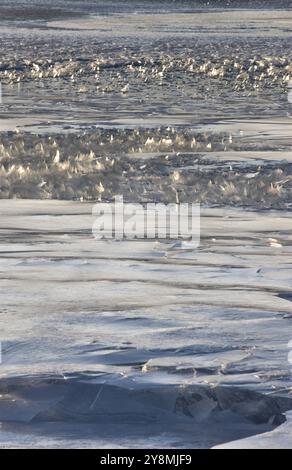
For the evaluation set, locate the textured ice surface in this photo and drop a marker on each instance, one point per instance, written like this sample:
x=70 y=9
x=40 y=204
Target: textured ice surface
x=137 y=104
x=123 y=335
x=144 y=343
x=278 y=439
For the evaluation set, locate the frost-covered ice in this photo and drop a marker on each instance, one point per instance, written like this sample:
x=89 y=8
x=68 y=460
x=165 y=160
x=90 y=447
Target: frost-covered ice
x=122 y=111
x=145 y=343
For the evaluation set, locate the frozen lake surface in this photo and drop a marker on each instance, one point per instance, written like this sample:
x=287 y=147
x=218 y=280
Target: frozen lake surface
x=145 y=343
x=103 y=338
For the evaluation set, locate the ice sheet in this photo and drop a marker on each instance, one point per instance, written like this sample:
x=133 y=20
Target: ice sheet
x=140 y=318
x=149 y=343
